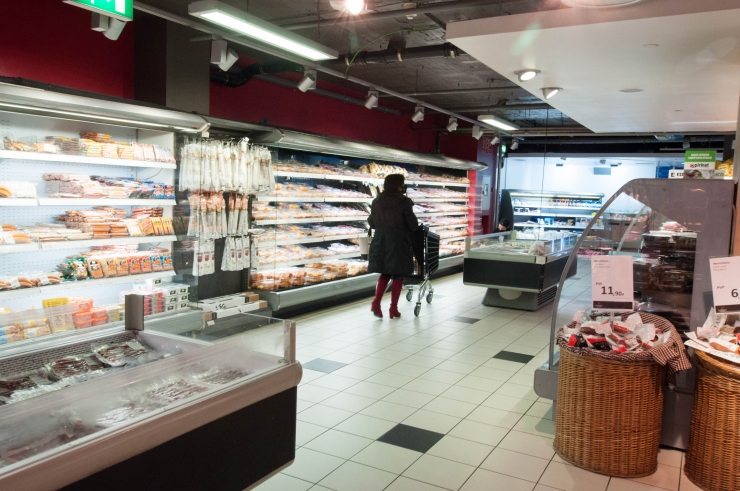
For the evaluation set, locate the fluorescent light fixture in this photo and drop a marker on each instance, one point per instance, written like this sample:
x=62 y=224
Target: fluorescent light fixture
x=527 y=75
x=354 y=7
x=550 y=92
x=418 y=114
x=515 y=144
x=477 y=132
x=372 y=99
x=452 y=125
x=254 y=27
x=497 y=122
x=94 y=117
x=308 y=82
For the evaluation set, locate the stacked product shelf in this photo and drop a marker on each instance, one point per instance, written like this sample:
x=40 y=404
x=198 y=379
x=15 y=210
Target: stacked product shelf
x=554 y=210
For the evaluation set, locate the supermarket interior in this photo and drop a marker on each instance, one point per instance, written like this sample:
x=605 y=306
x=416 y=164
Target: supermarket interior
x=200 y=288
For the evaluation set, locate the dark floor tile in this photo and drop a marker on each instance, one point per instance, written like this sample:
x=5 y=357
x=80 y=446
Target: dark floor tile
x=511 y=356
x=326 y=366
x=411 y=438
x=469 y=320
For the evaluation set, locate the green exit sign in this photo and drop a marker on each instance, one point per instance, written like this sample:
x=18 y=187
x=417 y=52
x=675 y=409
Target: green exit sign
x=118 y=9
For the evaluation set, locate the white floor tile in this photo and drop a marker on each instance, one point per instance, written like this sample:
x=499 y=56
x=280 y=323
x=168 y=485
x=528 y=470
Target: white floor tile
x=302 y=405
x=282 y=482
x=541 y=410
x=492 y=373
x=526 y=443
x=616 y=484
x=338 y=444
x=442 y=376
x=524 y=379
x=312 y=466
x=361 y=349
x=515 y=464
x=424 y=361
x=324 y=415
x=387 y=457
x=509 y=389
x=687 y=485
x=427 y=386
x=348 y=402
x=312 y=352
x=365 y=426
x=510 y=366
x=465 y=394
x=390 y=379
x=406 y=369
x=571 y=478
x=387 y=354
x=442 y=354
x=480 y=383
x=450 y=407
x=457 y=367
x=371 y=390
x=479 y=432
x=439 y=472
x=334 y=382
x=409 y=398
x=459 y=450
x=312 y=393
x=406 y=484
x=670 y=457
x=508 y=403
x=470 y=359
x=357 y=477
x=388 y=411
x=310 y=375
x=536 y=426
x=439 y=423
x=305 y=432
x=493 y=416
x=665 y=477
x=483 y=480
x=355 y=372
x=374 y=363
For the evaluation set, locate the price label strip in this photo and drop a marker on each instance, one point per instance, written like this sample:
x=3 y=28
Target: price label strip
x=725 y=273
x=611 y=283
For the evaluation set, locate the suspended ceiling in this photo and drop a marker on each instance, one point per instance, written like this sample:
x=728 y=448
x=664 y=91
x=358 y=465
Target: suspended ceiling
x=689 y=82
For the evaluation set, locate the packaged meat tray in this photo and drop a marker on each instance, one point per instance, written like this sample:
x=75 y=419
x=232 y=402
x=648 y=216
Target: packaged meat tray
x=219 y=376
x=118 y=355
x=121 y=414
x=170 y=392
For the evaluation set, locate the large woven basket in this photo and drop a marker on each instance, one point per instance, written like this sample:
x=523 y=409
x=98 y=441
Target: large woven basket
x=609 y=411
x=713 y=456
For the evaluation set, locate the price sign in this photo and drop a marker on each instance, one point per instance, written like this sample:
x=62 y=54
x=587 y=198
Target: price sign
x=726 y=284
x=611 y=283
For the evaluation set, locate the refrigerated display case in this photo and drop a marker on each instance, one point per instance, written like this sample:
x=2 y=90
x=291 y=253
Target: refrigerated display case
x=183 y=404
x=520 y=271
x=671 y=228
x=554 y=210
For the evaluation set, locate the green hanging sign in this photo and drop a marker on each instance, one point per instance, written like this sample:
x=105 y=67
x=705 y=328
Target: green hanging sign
x=118 y=9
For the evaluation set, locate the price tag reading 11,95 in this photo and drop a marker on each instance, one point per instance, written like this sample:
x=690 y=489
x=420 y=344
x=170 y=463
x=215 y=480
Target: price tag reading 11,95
x=726 y=284
x=611 y=283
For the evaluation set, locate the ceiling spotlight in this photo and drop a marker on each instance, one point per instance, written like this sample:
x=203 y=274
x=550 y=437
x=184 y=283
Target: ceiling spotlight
x=354 y=7
x=452 y=125
x=418 y=114
x=526 y=75
x=256 y=28
x=497 y=122
x=222 y=55
x=477 y=132
x=372 y=99
x=550 y=92
x=495 y=140
x=515 y=144
x=308 y=82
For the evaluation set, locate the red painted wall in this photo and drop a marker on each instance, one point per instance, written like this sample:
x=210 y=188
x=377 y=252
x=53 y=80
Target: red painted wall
x=50 y=41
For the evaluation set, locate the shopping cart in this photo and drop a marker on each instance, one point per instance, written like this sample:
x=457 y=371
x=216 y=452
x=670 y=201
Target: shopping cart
x=425 y=245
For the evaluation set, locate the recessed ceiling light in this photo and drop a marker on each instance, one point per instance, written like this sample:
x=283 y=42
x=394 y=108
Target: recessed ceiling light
x=550 y=92
x=526 y=75
x=631 y=91
x=599 y=4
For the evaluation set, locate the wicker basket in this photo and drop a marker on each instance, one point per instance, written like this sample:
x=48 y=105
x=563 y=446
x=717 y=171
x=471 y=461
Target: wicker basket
x=609 y=412
x=713 y=456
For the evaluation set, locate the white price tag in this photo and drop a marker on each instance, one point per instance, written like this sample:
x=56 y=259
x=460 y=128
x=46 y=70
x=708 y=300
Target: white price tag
x=726 y=284
x=611 y=283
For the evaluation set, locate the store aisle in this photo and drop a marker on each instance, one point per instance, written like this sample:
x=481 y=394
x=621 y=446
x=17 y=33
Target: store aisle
x=443 y=401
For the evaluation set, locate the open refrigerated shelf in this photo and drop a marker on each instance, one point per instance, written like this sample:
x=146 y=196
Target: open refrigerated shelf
x=307 y=199
x=81 y=159
x=305 y=240
x=104 y=202
x=301 y=262
x=441 y=214
x=371 y=180
x=70 y=244
x=569 y=227
x=454 y=225
x=285 y=221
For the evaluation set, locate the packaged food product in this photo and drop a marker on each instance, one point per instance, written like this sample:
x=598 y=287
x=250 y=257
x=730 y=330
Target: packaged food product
x=117 y=355
x=170 y=392
x=120 y=414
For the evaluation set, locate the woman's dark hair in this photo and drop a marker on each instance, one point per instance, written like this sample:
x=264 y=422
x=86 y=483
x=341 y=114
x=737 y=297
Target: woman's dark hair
x=393 y=183
x=506 y=223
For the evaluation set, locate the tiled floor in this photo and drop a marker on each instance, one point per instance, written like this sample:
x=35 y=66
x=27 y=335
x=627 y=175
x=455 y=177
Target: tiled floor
x=439 y=402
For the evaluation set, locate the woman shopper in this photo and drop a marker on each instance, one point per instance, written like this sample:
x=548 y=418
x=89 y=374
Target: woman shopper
x=392 y=217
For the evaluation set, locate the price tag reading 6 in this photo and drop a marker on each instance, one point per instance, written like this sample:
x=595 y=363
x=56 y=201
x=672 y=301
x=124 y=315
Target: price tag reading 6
x=726 y=284
x=611 y=283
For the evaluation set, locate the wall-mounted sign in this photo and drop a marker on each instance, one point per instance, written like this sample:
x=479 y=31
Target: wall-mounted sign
x=118 y=9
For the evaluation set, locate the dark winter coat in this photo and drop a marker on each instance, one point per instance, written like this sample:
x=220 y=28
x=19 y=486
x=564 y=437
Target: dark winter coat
x=392 y=217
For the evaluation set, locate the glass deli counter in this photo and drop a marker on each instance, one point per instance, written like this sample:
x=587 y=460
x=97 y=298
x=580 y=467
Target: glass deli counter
x=671 y=228
x=520 y=270
x=183 y=404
